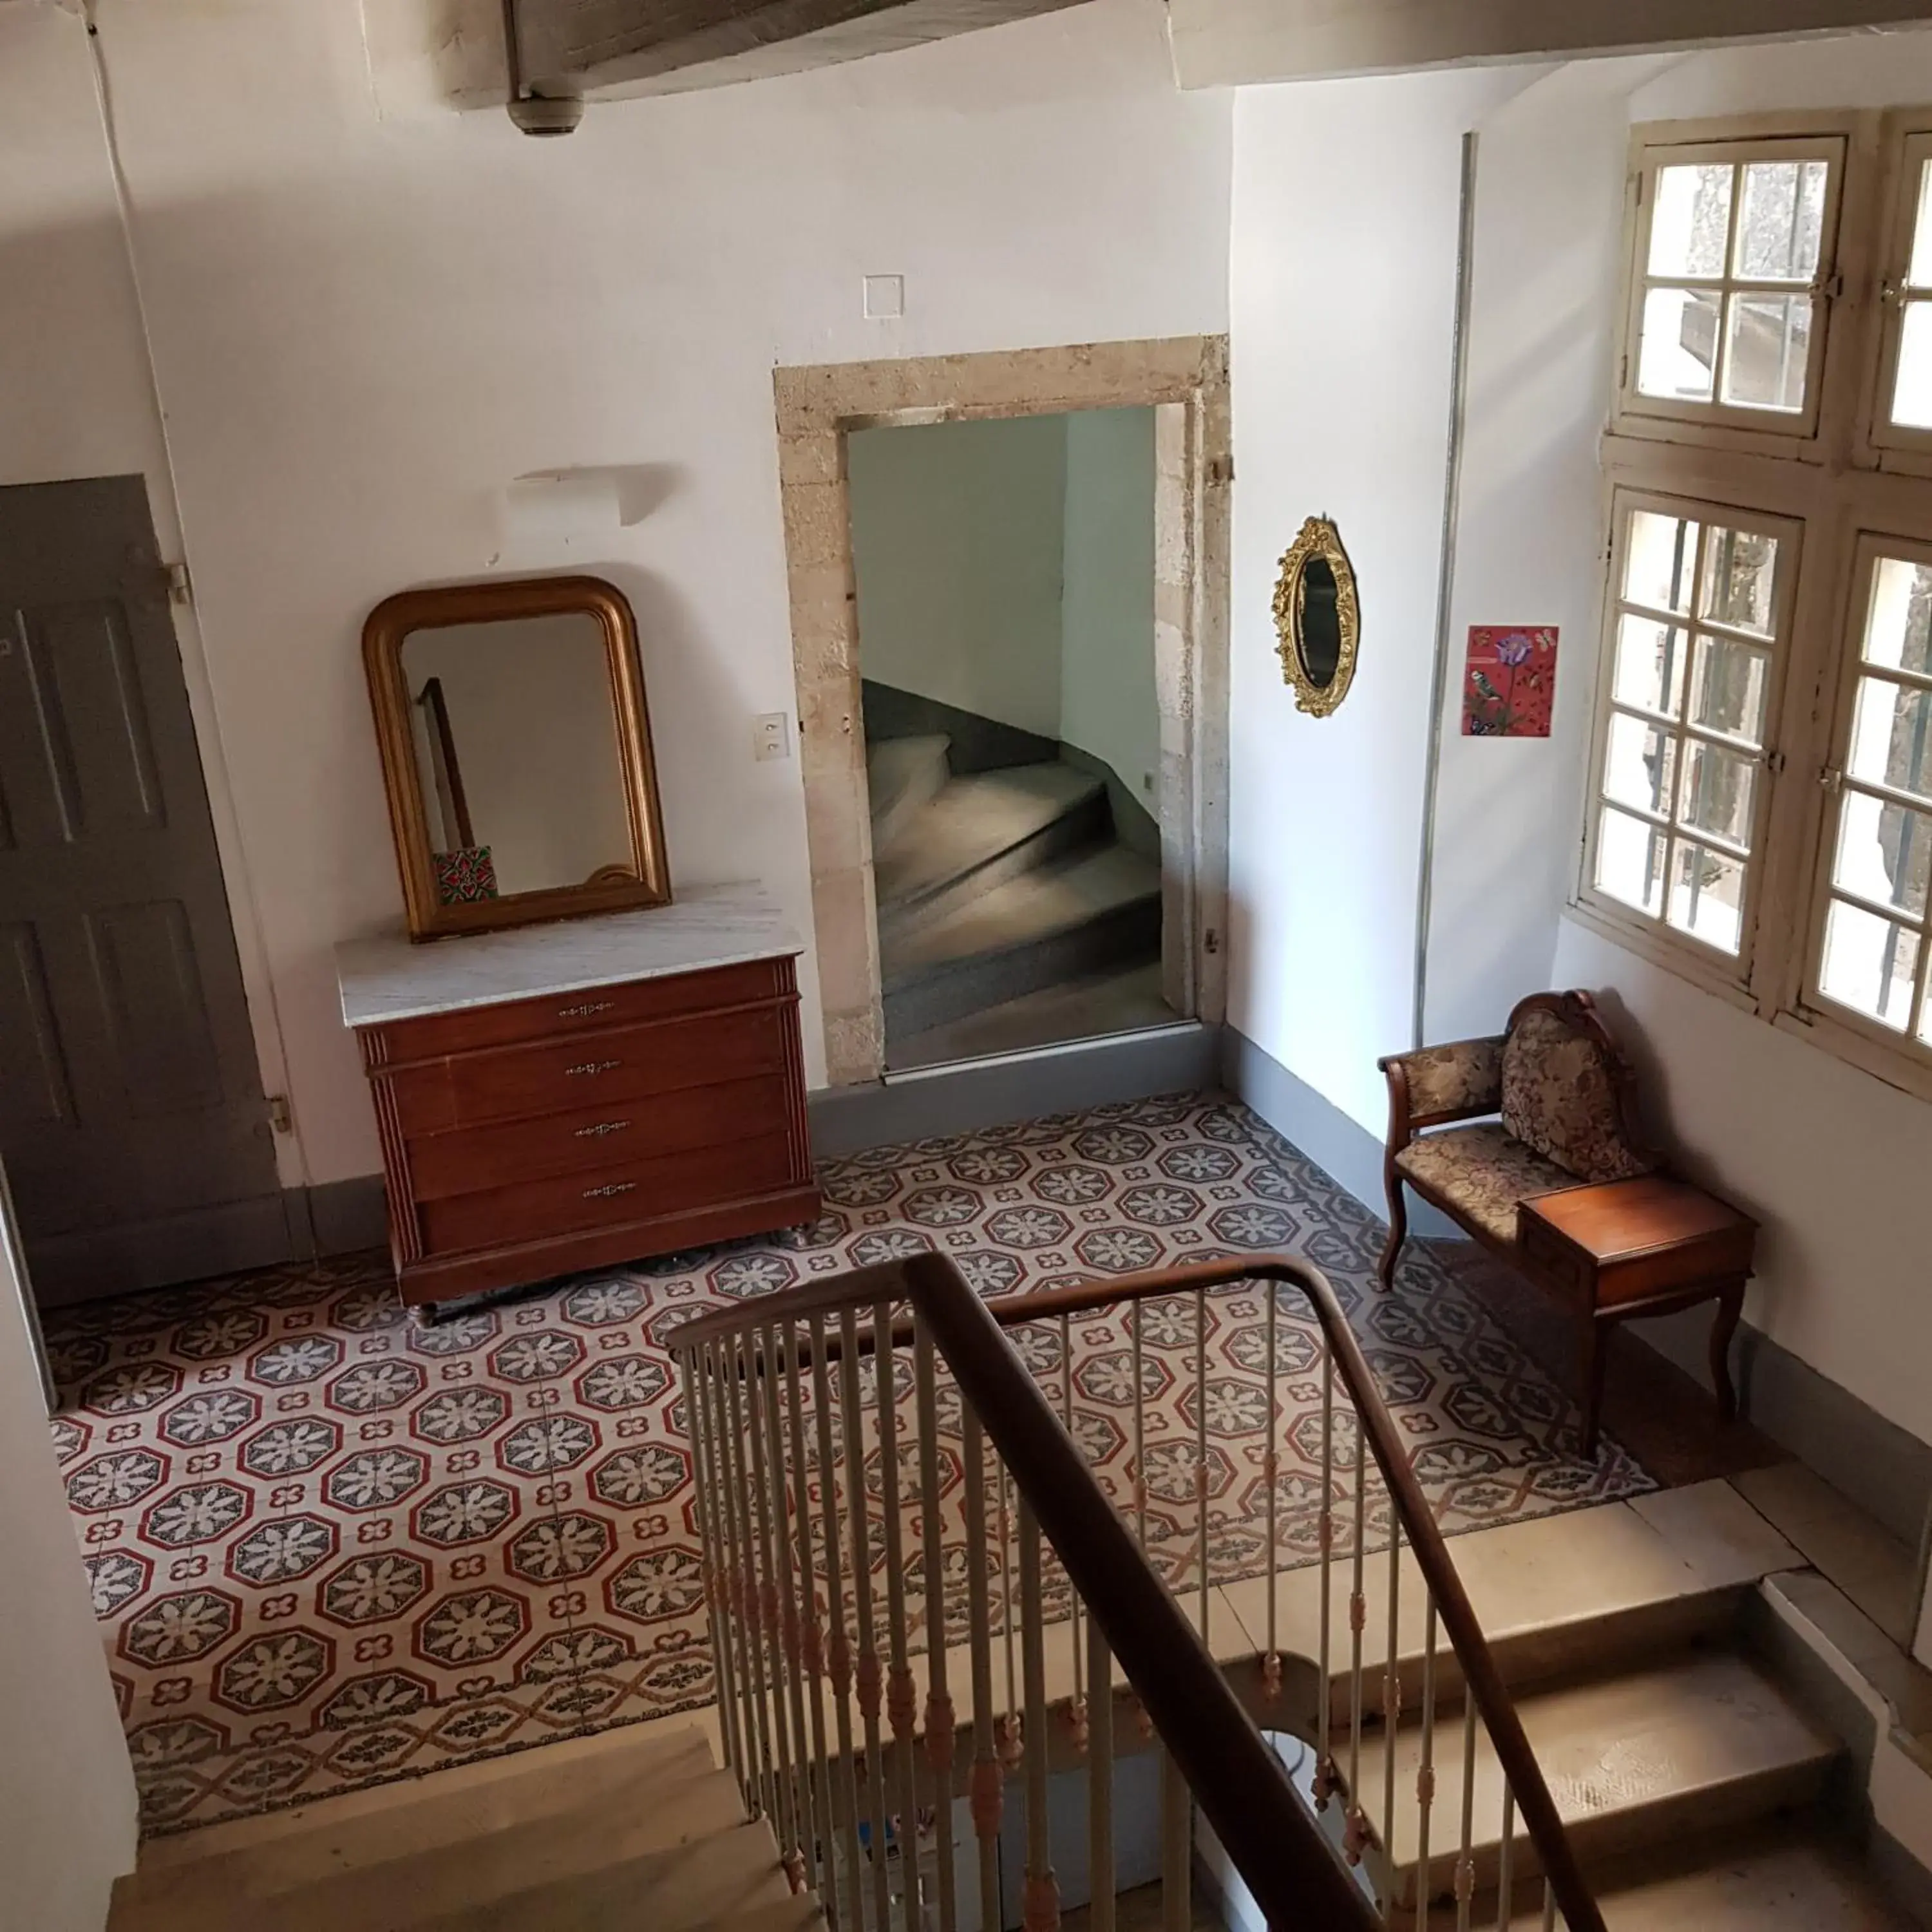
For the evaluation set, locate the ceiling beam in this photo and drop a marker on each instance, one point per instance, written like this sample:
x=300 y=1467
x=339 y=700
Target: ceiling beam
x=1224 y=43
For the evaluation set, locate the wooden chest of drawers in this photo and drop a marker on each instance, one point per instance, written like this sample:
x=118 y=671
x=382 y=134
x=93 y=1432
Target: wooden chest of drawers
x=535 y=1137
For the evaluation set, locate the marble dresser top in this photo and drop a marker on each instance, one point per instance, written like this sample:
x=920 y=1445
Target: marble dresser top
x=390 y=978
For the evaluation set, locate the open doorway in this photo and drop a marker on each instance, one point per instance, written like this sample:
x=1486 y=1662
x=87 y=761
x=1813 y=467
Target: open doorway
x=1177 y=387
x=1005 y=572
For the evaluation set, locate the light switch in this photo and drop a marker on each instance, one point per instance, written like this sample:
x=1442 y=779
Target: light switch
x=771 y=735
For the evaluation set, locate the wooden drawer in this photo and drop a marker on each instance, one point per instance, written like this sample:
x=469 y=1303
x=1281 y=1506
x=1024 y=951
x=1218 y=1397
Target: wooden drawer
x=626 y=1064
x=636 y=1190
x=559 y=1015
x=1552 y=1259
x=470 y=1159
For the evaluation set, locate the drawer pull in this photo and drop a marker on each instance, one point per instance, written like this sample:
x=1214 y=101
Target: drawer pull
x=609 y=1188
x=602 y=1128
x=589 y=1009
x=591 y=1067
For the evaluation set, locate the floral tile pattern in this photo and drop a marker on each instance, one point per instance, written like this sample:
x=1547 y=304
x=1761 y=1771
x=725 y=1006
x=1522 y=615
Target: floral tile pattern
x=329 y=1548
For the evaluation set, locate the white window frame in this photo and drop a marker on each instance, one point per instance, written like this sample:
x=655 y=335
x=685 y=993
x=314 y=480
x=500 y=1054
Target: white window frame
x=1827 y=1017
x=1908 y=149
x=1696 y=959
x=1717 y=422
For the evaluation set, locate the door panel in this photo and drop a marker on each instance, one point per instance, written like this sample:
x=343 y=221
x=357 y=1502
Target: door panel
x=132 y=1120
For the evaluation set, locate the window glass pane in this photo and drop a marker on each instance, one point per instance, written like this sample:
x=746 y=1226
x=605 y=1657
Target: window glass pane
x=1630 y=861
x=1659 y=557
x=1707 y=895
x=1911 y=393
x=1639 y=764
x=1718 y=788
x=1891 y=736
x=1649 y=670
x=1728 y=682
x=1740 y=574
x=1677 y=356
x=1768 y=351
x=1920 y=270
x=1898 y=631
x=1690 y=222
x=1885 y=852
x=1868 y=963
x=1781 y=221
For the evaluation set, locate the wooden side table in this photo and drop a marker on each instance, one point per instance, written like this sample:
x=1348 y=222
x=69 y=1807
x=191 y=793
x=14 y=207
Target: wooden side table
x=1623 y=1249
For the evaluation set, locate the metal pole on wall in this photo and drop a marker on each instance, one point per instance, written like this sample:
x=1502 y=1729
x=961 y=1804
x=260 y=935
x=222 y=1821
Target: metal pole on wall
x=1452 y=489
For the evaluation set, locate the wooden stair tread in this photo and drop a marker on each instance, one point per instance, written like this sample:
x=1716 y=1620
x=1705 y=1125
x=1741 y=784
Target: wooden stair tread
x=502 y=1849
x=1699 y=1741
x=724 y=1878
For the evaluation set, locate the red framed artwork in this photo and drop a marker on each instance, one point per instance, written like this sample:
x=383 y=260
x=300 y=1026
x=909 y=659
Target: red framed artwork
x=1509 y=681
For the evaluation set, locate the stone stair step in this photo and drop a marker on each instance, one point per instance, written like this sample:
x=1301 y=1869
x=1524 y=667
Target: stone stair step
x=1789 y=1873
x=904 y=776
x=979 y=831
x=182 y=1879
x=1099 y=911
x=1697 y=1743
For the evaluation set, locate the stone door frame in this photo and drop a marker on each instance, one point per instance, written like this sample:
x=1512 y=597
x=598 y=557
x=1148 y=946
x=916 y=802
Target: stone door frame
x=1184 y=380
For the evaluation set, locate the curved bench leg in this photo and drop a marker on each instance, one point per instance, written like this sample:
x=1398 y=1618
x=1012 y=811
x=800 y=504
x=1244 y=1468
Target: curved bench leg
x=1723 y=1327
x=1398 y=1227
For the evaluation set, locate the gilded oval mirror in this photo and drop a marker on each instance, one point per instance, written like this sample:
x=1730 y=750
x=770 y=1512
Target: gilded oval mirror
x=1317 y=618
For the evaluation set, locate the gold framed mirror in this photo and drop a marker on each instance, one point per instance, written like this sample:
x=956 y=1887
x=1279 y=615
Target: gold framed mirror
x=516 y=753
x=1317 y=618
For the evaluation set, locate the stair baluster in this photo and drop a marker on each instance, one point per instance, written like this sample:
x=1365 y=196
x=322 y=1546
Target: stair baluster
x=988 y=1800
x=1506 y=1866
x=902 y=1698
x=1355 y=1834
x=868 y=1674
x=939 y=1716
x=1041 y=1909
x=716 y=1602
x=1076 y=1710
x=811 y=1642
x=1425 y=1773
x=1271 y=1476
x=1100 y=1780
x=1391 y=1690
x=1201 y=1464
x=839 y=1649
x=750 y=1611
x=1325 y=1768
x=1466 y=1861
x=766 y=1540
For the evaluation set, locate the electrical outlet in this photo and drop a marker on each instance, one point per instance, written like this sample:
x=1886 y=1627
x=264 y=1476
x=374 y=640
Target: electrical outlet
x=771 y=735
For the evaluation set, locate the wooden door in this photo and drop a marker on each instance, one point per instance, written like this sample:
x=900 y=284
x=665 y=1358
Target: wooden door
x=132 y=1120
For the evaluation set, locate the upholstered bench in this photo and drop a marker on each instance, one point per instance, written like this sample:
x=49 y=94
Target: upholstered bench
x=1632 y=1242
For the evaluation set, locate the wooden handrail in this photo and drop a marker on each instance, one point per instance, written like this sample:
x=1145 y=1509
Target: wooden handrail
x=1237 y=1780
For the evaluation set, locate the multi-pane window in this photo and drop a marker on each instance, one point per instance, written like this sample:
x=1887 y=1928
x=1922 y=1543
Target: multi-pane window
x=1693 y=652
x=1727 y=322
x=1760 y=810
x=1872 y=953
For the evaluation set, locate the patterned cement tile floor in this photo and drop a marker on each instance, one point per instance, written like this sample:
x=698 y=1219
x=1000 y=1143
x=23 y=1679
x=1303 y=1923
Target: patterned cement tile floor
x=329 y=1548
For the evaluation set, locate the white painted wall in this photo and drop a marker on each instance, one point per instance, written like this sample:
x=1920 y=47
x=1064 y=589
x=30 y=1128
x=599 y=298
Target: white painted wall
x=68 y=1824
x=367 y=325
x=1544 y=301
x=1108 y=705
x=957 y=538
x=1342 y=260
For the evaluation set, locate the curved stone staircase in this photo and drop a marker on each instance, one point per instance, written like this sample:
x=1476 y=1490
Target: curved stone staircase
x=1001 y=887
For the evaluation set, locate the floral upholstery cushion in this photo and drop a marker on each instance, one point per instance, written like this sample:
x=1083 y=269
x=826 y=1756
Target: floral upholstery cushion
x=1559 y=1096
x=1464 y=1077
x=1482 y=1172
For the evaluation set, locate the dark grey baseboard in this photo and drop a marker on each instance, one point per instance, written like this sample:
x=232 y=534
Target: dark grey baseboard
x=1339 y=1145
x=1885 y=1471
x=347 y=1216
x=229 y=1238
x=981 y=1093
